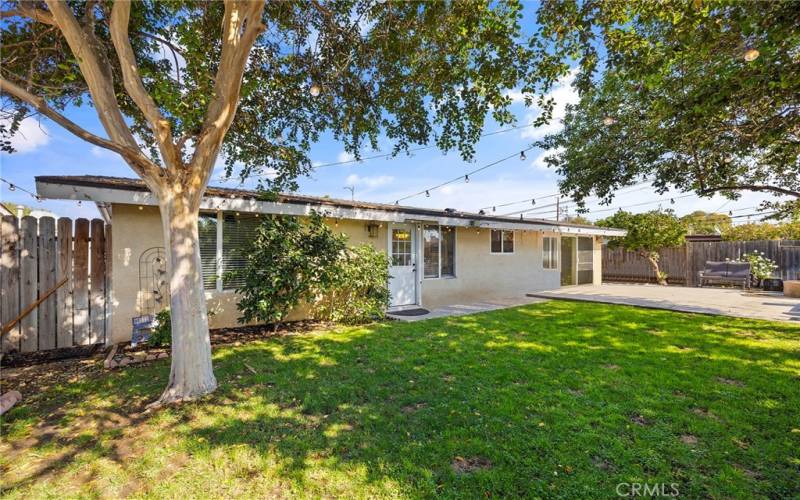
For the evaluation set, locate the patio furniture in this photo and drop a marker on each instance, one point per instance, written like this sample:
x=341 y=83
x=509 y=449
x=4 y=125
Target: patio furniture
x=772 y=284
x=717 y=272
x=791 y=288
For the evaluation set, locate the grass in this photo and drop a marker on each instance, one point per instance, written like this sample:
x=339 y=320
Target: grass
x=553 y=399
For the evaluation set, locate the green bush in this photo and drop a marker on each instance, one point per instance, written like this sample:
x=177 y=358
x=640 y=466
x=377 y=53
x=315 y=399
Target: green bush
x=287 y=263
x=162 y=330
x=359 y=291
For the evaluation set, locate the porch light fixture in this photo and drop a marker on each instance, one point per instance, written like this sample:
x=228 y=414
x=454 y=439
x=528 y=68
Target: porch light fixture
x=751 y=54
x=315 y=90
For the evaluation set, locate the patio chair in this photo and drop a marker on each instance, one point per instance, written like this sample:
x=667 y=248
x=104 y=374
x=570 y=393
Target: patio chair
x=736 y=273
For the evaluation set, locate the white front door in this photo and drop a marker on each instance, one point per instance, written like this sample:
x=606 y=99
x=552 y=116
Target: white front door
x=402 y=265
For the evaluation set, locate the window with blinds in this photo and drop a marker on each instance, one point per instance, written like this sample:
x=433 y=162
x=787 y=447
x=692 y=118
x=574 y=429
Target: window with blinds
x=207 y=229
x=549 y=252
x=238 y=231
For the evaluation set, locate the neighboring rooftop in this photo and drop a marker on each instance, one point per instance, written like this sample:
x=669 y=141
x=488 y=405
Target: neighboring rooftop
x=45 y=186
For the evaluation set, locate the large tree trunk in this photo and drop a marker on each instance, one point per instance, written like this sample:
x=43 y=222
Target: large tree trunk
x=191 y=374
x=652 y=257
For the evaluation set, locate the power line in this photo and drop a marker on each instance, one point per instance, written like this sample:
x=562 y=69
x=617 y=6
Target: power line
x=465 y=177
x=390 y=155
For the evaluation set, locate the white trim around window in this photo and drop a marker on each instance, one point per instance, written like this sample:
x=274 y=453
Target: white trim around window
x=550 y=252
x=504 y=250
x=441 y=273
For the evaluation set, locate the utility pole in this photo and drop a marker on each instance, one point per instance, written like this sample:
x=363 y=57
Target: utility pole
x=352 y=190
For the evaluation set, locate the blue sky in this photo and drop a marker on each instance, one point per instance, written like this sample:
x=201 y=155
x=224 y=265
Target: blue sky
x=46 y=149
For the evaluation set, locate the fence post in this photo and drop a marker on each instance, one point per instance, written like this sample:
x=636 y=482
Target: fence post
x=80 y=295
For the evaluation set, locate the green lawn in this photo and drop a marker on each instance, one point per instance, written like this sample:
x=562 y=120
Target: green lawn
x=553 y=399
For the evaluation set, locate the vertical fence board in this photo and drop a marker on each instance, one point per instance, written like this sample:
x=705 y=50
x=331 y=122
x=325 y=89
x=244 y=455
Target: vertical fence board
x=9 y=279
x=97 y=293
x=109 y=299
x=80 y=286
x=47 y=280
x=64 y=294
x=28 y=292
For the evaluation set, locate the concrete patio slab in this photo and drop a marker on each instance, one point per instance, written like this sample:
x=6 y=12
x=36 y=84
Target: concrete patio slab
x=720 y=301
x=471 y=308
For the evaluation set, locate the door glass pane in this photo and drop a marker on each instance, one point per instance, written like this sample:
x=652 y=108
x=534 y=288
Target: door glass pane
x=401 y=247
x=585 y=261
x=448 y=251
x=497 y=241
x=430 y=243
x=567 y=261
x=508 y=241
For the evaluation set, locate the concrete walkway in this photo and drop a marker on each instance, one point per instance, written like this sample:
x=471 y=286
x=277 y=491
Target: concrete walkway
x=722 y=301
x=471 y=308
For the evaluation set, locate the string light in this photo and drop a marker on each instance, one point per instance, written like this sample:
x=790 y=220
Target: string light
x=466 y=179
x=315 y=90
x=522 y=156
x=12 y=187
x=427 y=191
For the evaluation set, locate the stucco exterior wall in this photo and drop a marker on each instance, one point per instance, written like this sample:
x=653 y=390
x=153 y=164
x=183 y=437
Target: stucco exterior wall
x=139 y=229
x=482 y=275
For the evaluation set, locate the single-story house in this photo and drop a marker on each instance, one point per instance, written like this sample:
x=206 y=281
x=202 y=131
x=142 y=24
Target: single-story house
x=438 y=257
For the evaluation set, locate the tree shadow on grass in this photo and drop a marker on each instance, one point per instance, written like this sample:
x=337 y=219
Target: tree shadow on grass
x=547 y=398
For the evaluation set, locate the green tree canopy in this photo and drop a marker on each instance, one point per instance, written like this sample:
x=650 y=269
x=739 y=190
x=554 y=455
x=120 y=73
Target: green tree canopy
x=700 y=222
x=700 y=96
x=648 y=233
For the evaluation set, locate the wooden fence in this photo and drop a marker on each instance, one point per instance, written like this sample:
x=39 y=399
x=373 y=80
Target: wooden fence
x=37 y=256
x=682 y=264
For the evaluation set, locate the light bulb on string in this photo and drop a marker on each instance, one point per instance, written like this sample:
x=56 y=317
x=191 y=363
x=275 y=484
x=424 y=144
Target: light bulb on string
x=315 y=90
x=427 y=194
x=751 y=54
x=79 y=202
x=533 y=201
x=494 y=209
x=12 y=187
x=522 y=156
x=466 y=178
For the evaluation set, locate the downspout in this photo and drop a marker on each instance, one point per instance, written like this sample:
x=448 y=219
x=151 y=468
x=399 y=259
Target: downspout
x=105 y=211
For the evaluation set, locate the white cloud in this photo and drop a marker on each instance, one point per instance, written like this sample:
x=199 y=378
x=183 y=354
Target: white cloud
x=345 y=156
x=539 y=163
x=516 y=96
x=369 y=182
x=562 y=94
x=30 y=136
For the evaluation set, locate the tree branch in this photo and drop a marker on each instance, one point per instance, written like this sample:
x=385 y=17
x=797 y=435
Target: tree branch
x=133 y=156
x=241 y=27
x=25 y=10
x=131 y=79
x=96 y=71
x=752 y=187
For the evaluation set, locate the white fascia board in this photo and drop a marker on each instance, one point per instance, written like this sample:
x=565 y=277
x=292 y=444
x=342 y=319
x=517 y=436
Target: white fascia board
x=238 y=204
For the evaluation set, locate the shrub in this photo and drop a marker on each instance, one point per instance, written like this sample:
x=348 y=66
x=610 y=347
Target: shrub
x=288 y=262
x=760 y=266
x=359 y=291
x=162 y=330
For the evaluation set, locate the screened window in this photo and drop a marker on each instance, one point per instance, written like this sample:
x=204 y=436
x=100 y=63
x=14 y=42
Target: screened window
x=550 y=252
x=439 y=251
x=237 y=233
x=218 y=260
x=207 y=228
x=502 y=241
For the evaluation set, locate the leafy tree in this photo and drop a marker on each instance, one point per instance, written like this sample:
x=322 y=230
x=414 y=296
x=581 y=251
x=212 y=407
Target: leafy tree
x=578 y=219
x=701 y=96
x=648 y=233
x=288 y=262
x=359 y=291
x=700 y=222
x=763 y=231
x=176 y=84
